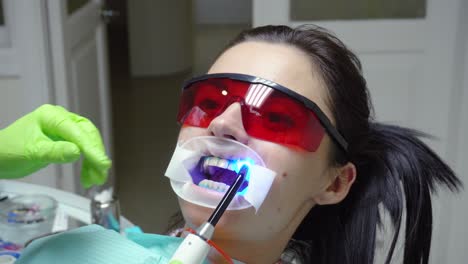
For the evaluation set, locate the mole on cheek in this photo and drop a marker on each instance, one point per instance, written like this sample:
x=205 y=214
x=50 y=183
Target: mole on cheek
x=279 y=210
x=285 y=175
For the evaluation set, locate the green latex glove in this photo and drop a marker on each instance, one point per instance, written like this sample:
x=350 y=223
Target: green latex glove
x=51 y=134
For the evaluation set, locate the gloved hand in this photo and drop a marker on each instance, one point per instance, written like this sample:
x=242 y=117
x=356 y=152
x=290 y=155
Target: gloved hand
x=51 y=134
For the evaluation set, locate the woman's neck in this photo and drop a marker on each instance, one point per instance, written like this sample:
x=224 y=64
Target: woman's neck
x=261 y=251
x=253 y=251
x=257 y=251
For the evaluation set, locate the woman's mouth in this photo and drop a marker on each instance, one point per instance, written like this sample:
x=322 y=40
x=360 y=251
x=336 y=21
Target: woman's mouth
x=203 y=168
x=216 y=173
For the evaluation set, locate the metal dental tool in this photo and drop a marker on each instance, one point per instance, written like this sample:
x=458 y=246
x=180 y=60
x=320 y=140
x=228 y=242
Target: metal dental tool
x=195 y=247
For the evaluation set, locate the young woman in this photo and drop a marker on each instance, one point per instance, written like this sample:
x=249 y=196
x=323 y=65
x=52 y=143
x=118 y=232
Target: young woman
x=298 y=99
x=335 y=164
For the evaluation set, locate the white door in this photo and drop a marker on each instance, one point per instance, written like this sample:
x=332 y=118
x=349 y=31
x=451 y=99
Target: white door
x=409 y=65
x=80 y=69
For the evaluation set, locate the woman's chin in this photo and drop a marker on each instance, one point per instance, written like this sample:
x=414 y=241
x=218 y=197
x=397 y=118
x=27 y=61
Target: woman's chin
x=206 y=198
x=195 y=215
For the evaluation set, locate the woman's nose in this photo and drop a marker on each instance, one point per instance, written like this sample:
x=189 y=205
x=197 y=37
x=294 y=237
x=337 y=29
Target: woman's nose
x=229 y=124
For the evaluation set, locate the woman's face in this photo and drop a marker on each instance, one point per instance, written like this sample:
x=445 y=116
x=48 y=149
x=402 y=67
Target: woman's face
x=301 y=176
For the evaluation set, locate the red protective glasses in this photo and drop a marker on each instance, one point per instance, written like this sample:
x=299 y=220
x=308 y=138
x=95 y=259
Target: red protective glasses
x=269 y=111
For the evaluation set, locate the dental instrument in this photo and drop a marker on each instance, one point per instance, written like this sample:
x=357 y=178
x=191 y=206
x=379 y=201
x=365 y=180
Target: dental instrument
x=196 y=246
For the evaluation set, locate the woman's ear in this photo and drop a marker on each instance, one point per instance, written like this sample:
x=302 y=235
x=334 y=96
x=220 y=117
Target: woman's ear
x=338 y=189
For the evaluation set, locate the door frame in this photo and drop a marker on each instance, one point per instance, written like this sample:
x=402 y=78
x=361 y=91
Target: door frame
x=28 y=59
x=31 y=58
x=458 y=232
x=30 y=49
x=61 y=39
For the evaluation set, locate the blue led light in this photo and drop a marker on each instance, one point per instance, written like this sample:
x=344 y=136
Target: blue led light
x=239 y=163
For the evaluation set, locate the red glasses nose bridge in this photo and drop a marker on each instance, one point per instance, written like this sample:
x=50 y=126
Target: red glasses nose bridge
x=230 y=100
x=230 y=122
x=234 y=99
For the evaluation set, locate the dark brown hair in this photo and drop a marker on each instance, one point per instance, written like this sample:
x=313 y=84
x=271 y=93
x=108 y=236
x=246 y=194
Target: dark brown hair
x=394 y=167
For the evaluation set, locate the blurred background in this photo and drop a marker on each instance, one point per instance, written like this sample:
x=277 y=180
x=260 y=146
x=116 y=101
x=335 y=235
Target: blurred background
x=121 y=63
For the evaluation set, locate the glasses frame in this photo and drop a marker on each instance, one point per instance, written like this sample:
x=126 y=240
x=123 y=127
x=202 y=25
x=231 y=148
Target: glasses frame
x=323 y=119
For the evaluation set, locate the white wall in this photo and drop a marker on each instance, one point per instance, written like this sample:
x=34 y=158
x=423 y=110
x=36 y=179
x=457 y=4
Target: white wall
x=160 y=36
x=209 y=42
x=15 y=101
x=223 y=12
x=458 y=148
x=25 y=80
x=10 y=100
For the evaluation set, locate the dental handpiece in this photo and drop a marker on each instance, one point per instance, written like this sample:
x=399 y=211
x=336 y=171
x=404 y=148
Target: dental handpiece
x=227 y=198
x=195 y=248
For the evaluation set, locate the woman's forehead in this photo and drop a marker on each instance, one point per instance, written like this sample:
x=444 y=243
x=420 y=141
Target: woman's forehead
x=280 y=63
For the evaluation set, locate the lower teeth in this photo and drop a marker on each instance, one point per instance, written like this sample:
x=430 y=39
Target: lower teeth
x=212 y=185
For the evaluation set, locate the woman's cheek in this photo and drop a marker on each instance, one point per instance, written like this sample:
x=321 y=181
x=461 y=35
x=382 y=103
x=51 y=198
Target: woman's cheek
x=188 y=132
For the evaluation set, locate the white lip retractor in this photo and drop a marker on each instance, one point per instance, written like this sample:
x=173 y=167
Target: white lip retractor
x=222 y=159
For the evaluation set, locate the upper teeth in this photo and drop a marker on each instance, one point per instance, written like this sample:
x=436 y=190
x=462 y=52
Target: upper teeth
x=218 y=162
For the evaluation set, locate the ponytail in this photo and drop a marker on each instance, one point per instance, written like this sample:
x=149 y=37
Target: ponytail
x=395 y=169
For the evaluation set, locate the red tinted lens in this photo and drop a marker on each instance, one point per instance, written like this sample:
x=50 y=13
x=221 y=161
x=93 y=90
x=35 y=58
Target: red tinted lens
x=271 y=116
x=205 y=100
x=285 y=121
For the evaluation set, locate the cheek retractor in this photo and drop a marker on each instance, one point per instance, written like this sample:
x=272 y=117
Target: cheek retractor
x=187 y=176
x=196 y=246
